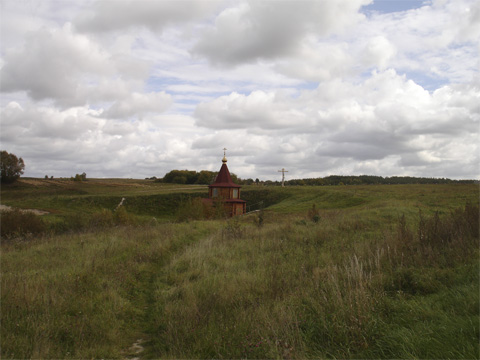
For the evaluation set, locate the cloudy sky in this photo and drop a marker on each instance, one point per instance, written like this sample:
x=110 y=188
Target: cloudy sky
x=122 y=88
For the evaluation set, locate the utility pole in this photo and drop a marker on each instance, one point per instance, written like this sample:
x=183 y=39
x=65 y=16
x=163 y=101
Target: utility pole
x=283 y=171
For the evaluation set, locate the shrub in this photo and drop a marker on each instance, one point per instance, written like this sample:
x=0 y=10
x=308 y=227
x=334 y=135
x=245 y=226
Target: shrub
x=233 y=229
x=103 y=218
x=190 y=209
x=313 y=214
x=437 y=242
x=122 y=217
x=260 y=217
x=17 y=223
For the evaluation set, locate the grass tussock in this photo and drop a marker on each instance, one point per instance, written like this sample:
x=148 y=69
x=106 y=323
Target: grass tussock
x=23 y=225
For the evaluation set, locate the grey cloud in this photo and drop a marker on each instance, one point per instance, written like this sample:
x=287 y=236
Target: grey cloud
x=49 y=64
x=155 y=15
x=259 y=110
x=46 y=123
x=412 y=159
x=69 y=68
x=139 y=104
x=268 y=29
x=319 y=62
x=361 y=143
x=210 y=142
x=62 y=143
x=358 y=151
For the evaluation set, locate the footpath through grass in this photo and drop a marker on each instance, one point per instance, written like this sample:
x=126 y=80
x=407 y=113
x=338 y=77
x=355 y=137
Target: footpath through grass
x=84 y=295
x=370 y=272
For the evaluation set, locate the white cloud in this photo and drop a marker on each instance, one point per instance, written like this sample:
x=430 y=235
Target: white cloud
x=138 y=88
x=43 y=122
x=438 y=40
x=62 y=143
x=319 y=61
x=378 y=52
x=385 y=117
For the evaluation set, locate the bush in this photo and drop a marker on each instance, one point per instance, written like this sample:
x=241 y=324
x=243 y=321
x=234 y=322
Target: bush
x=102 y=219
x=191 y=209
x=313 y=214
x=260 y=217
x=122 y=217
x=436 y=242
x=106 y=218
x=17 y=223
x=233 y=229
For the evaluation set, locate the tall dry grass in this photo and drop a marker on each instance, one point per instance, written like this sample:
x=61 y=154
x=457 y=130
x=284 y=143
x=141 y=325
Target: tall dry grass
x=342 y=285
x=298 y=290
x=82 y=295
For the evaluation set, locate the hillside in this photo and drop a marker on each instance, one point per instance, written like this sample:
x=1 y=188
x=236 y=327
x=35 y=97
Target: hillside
x=338 y=272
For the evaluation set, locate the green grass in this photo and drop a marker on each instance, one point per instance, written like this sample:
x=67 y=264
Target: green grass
x=85 y=295
x=66 y=198
x=384 y=272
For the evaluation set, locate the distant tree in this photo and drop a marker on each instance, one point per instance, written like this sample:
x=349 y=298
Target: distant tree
x=11 y=167
x=80 y=177
x=235 y=178
x=205 y=177
x=179 y=179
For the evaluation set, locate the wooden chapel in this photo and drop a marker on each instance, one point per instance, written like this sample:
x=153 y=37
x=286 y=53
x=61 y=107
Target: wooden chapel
x=224 y=190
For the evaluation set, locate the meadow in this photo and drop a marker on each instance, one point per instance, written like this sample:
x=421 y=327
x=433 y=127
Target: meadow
x=387 y=271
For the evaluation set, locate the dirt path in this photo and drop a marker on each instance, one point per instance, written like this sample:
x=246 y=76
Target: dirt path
x=135 y=350
x=34 y=211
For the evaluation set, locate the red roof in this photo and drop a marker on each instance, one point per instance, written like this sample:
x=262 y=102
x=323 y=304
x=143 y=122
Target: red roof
x=224 y=179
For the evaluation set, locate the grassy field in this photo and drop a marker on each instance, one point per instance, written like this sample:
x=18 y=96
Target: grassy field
x=386 y=271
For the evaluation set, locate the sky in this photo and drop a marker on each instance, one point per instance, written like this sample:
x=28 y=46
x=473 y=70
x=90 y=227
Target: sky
x=134 y=89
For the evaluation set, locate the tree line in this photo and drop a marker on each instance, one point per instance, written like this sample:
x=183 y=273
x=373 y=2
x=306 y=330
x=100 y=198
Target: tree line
x=191 y=177
x=206 y=177
x=374 y=180
x=12 y=167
